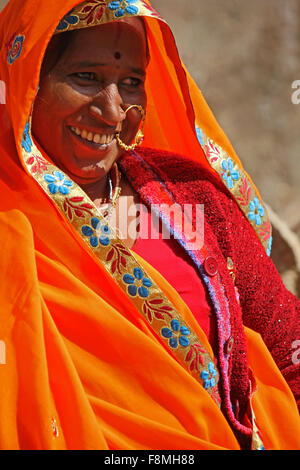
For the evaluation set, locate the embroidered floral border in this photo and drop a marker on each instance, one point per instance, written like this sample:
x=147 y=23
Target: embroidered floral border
x=237 y=182
x=14 y=48
x=95 y=12
x=121 y=264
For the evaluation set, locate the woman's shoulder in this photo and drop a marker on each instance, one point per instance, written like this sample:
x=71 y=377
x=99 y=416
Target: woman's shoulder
x=172 y=167
x=189 y=182
x=170 y=161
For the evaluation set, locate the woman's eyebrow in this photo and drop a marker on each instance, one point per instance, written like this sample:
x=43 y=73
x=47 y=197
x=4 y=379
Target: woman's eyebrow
x=86 y=64
x=138 y=71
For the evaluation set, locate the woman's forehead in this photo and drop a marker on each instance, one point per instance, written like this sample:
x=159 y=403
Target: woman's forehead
x=114 y=32
x=102 y=40
x=117 y=38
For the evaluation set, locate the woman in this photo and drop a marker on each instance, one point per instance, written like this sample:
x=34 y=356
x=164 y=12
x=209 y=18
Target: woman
x=118 y=343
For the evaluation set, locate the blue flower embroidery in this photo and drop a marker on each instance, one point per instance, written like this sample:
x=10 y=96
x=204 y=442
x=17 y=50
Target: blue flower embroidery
x=123 y=6
x=69 y=19
x=256 y=211
x=176 y=334
x=16 y=49
x=199 y=135
x=58 y=183
x=269 y=246
x=208 y=377
x=137 y=284
x=230 y=175
x=26 y=139
x=93 y=233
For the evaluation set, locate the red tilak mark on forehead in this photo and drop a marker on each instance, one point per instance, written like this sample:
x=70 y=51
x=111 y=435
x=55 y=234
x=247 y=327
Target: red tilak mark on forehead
x=118 y=55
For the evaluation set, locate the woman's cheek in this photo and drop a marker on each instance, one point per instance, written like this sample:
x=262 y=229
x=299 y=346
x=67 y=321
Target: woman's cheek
x=66 y=99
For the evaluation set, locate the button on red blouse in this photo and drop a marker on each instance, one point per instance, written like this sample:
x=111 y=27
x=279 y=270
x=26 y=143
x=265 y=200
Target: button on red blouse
x=210 y=266
x=229 y=345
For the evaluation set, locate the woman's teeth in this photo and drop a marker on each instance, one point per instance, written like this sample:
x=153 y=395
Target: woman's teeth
x=90 y=137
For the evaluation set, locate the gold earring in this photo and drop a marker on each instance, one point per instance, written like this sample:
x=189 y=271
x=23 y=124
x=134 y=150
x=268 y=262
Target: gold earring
x=140 y=133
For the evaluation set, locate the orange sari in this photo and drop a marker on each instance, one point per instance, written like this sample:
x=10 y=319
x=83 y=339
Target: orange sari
x=83 y=367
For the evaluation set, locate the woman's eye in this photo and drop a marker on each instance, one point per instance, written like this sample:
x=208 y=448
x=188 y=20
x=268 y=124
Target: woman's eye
x=132 y=82
x=86 y=76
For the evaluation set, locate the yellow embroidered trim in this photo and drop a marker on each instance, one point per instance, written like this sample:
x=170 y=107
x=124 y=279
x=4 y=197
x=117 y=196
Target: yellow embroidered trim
x=237 y=182
x=121 y=264
x=55 y=430
x=96 y=12
x=257 y=442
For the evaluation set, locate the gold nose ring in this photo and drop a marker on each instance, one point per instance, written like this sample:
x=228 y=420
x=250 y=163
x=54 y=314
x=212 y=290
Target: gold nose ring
x=140 y=133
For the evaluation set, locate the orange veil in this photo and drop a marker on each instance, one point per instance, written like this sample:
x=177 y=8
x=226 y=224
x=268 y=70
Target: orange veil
x=82 y=368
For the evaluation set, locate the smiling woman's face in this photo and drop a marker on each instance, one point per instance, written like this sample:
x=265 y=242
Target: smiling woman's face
x=82 y=100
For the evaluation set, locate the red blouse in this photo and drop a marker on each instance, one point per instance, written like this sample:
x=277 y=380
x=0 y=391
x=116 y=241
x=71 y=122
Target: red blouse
x=173 y=263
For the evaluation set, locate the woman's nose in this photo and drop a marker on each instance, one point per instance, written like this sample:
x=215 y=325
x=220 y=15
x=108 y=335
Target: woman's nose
x=107 y=106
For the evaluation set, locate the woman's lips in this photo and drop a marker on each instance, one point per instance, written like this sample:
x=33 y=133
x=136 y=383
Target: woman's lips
x=94 y=141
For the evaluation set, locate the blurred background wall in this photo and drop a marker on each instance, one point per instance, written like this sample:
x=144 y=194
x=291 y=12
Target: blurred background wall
x=245 y=56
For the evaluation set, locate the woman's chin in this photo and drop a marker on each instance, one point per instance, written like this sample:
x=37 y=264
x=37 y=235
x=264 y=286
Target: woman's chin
x=88 y=170
x=87 y=173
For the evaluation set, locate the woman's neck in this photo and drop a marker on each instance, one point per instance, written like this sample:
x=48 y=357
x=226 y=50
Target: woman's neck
x=97 y=190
